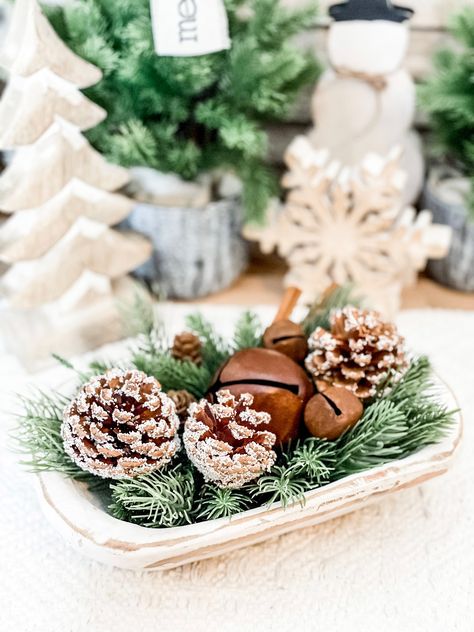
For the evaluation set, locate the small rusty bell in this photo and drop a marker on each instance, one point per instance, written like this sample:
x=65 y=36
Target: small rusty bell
x=328 y=415
x=288 y=338
x=284 y=335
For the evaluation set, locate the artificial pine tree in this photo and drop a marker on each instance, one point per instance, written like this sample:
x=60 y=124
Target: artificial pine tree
x=448 y=97
x=58 y=191
x=190 y=115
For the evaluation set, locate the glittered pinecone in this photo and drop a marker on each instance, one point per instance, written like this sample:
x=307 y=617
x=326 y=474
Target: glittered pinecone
x=182 y=399
x=121 y=425
x=359 y=352
x=187 y=347
x=226 y=441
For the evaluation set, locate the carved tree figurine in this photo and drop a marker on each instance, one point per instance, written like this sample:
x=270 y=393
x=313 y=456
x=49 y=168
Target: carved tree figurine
x=343 y=225
x=66 y=264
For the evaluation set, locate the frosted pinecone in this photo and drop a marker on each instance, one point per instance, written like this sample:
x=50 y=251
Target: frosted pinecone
x=187 y=347
x=121 y=425
x=182 y=399
x=359 y=352
x=226 y=441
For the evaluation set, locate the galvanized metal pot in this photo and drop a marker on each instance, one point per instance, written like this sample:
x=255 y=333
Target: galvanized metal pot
x=196 y=251
x=457 y=269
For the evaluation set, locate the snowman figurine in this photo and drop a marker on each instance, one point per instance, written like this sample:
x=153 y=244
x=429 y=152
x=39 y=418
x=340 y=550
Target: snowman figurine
x=365 y=102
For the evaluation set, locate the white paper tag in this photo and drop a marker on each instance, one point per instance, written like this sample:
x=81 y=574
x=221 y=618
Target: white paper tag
x=189 y=28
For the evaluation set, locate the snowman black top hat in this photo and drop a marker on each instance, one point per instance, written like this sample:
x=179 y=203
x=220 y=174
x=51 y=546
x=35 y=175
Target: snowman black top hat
x=369 y=10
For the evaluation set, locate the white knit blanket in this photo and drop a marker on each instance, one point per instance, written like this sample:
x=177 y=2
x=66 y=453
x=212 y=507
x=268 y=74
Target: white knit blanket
x=404 y=564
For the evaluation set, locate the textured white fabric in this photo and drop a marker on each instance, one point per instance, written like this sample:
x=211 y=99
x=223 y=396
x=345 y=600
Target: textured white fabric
x=406 y=563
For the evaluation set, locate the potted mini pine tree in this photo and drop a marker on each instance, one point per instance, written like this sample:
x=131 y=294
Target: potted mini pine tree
x=448 y=98
x=191 y=128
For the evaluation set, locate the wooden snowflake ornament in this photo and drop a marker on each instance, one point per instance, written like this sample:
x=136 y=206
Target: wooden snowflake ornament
x=343 y=225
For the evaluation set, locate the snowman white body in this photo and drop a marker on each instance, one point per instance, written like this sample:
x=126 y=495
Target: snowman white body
x=366 y=101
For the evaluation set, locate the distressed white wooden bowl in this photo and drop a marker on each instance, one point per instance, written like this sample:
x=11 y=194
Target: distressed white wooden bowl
x=77 y=515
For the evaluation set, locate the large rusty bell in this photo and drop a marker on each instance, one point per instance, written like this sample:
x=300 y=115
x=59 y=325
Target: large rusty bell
x=279 y=386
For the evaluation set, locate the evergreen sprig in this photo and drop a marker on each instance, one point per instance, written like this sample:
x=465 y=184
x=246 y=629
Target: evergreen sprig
x=376 y=439
x=315 y=459
x=151 y=352
x=319 y=313
x=416 y=395
x=38 y=436
x=414 y=382
x=82 y=375
x=138 y=315
x=215 y=351
x=96 y=367
x=175 y=374
x=161 y=499
x=397 y=424
x=141 y=321
x=191 y=115
x=214 y=503
x=280 y=485
x=248 y=332
x=427 y=423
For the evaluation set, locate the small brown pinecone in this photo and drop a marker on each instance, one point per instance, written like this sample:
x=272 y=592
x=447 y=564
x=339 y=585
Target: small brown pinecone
x=359 y=352
x=182 y=399
x=121 y=425
x=226 y=441
x=187 y=347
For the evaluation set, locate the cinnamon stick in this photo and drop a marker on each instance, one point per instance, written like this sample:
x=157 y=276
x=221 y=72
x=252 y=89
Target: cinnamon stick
x=288 y=304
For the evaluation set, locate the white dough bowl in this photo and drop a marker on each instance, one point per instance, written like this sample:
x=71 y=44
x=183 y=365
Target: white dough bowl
x=77 y=515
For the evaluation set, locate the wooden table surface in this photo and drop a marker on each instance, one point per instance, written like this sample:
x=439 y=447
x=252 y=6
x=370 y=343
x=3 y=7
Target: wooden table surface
x=263 y=284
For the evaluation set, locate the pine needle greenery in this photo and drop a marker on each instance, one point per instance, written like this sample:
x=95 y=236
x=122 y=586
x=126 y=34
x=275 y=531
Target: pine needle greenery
x=376 y=439
x=448 y=97
x=38 y=436
x=151 y=354
x=313 y=458
x=248 y=332
x=396 y=425
x=280 y=485
x=161 y=499
x=175 y=374
x=82 y=375
x=215 y=350
x=404 y=417
x=415 y=380
x=214 y=503
x=319 y=313
x=415 y=395
x=191 y=115
x=96 y=367
x=138 y=315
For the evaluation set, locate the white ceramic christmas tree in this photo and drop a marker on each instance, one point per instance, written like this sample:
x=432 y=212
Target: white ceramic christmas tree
x=365 y=101
x=66 y=265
